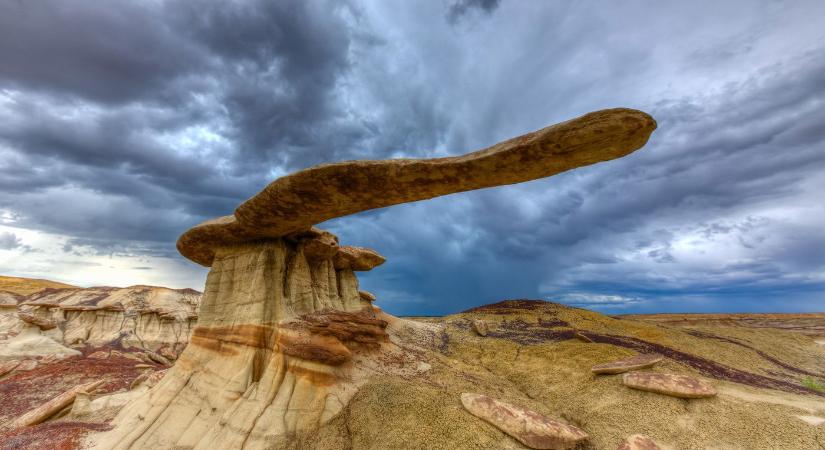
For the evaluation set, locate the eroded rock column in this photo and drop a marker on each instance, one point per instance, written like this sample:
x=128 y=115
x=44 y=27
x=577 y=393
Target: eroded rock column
x=278 y=323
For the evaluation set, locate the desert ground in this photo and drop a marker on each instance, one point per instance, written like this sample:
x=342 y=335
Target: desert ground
x=767 y=369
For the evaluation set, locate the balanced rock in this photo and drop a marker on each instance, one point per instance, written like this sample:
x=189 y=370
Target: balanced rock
x=638 y=442
x=528 y=427
x=681 y=386
x=480 y=327
x=298 y=201
x=624 y=365
x=281 y=316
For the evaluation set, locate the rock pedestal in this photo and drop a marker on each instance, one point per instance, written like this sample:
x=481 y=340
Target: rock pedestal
x=275 y=333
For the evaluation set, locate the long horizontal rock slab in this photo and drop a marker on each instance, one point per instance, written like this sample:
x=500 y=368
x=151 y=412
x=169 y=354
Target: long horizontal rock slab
x=51 y=407
x=681 y=386
x=298 y=201
x=625 y=365
x=528 y=427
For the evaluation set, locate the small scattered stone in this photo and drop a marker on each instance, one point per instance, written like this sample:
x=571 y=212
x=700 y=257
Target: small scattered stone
x=638 y=442
x=367 y=296
x=480 y=327
x=625 y=365
x=528 y=427
x=681 y=386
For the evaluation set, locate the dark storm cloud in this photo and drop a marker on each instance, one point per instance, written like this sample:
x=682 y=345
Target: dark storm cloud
x=123 y=124
x=113 y=52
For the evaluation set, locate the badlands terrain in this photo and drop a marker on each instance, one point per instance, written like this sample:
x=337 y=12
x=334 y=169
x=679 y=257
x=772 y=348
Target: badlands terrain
x=283 y=350
x=535 y=354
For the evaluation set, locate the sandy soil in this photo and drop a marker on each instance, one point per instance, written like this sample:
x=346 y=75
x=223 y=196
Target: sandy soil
x=531 y=357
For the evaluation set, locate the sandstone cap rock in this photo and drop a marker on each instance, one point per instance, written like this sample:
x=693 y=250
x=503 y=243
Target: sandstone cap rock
x=296 y=202
x=624 y=365
x=528 y=427
x=357 y=258
x=681 y=386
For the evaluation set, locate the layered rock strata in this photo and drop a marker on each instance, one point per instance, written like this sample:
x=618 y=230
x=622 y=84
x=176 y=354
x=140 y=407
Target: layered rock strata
x=271 y=353
x=149 y=317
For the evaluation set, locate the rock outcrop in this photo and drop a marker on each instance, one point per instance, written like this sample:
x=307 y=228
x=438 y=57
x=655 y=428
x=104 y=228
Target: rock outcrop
x=480 y=327
x=625 y=365
x=528 y=427
x=149 y=317
x=681 y=386
x=284 y=336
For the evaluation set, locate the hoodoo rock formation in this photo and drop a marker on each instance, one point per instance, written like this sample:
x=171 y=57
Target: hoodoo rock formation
x=284 y=336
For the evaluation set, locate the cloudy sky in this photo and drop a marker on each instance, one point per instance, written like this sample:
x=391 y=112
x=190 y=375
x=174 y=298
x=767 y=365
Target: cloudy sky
x=122 y=124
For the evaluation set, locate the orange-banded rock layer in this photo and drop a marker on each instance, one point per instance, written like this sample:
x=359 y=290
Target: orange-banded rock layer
x=271 y=353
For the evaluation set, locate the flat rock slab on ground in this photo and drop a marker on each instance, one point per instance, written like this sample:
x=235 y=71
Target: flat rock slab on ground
x=669 y=384
x=528 y=427
x=638 y=442
x=625 y=365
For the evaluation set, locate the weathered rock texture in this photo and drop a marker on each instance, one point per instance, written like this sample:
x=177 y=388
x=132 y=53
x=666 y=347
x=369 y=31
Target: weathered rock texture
x=681 y=386
x=528 y=427
x=149 y=317
x=282 y=324
x=480 y=327
x=638 y=442
x=274 y=342
x=52 y=406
